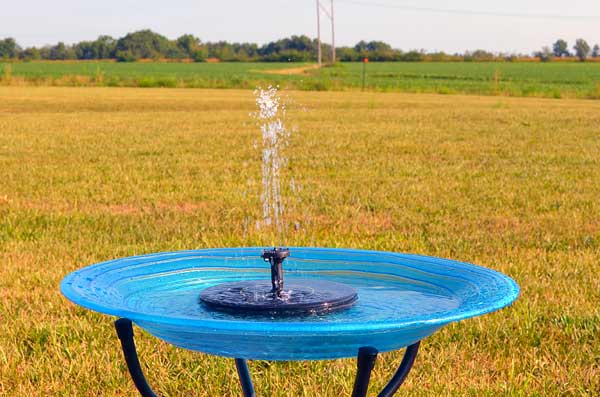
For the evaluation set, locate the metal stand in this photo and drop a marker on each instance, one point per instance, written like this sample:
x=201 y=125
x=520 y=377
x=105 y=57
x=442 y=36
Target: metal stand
x=365 y=363
x=125 y=333
x=245 y=379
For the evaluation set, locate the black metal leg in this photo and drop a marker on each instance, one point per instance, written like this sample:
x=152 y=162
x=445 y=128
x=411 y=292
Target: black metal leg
x=125 y=332
x=407 y=362
x=245 y=380
x=364 y=364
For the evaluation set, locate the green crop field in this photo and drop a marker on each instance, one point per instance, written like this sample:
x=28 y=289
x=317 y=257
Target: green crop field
x=89 y=174
x=489 y=78
x=157 y=74
x=554 y=80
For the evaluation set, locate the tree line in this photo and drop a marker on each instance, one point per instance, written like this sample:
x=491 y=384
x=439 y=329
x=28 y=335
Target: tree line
x=560 y=49
x=146 y=44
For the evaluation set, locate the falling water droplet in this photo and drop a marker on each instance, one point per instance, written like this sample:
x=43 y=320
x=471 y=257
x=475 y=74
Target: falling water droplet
x=274 y=138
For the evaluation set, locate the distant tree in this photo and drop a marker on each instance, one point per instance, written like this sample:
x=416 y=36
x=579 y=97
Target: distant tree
x=148 y=44
x=192 y=47
x=545 y=55
x=188 y=44
x=582 y=49
x=479 y=56
x=200 y=54
x=378 y=46
x=381 y=51
x=439 y=56
x=299 y=43
x=361 y=46
x=288 y=56
x=101 y=48
x=61 y=52
x=145 y=44
x=9 y=48
x=596 y=51
x=84 y=50
x=270 y=48
x=250 y=49
x=561 y=49
x=376 y=51
x=126 y=56
x=45 y=52
x=295 y=48
x=30 y=54
x=347 y=54
x=173 y=52
x=412 y=56
x=221 y=50
x=246 y=51
x=104 y=47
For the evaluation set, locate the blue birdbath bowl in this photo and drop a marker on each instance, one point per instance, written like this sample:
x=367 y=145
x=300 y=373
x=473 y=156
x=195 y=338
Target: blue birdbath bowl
x=401 y=299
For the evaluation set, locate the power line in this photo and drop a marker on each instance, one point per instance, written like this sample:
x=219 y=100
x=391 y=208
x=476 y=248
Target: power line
x=467 y=12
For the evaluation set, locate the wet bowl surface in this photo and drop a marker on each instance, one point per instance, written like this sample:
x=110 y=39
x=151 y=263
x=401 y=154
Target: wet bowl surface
x=402 y=299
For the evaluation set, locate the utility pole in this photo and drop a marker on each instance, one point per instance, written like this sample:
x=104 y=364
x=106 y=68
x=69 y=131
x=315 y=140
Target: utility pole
x=329 y=13
x=319 y=34
x=332 y=34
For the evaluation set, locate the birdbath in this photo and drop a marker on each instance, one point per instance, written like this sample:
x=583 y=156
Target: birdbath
x=332 y=303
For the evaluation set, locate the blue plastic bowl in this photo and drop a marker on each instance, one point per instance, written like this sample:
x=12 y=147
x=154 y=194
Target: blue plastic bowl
x=401 y=299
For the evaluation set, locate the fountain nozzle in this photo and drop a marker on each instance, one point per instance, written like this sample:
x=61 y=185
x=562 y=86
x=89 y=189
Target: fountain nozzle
x=275 y=257
x=303 y=296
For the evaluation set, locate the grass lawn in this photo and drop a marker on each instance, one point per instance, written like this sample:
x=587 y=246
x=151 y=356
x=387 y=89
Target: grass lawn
x=89 y=174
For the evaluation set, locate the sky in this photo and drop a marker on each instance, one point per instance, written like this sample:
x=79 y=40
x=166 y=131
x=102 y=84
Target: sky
x=405 y=24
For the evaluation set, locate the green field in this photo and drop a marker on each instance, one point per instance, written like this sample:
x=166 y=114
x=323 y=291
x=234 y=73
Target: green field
x=488 y=78
x=191 y=75
x=553 y=80
x=89 y=174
